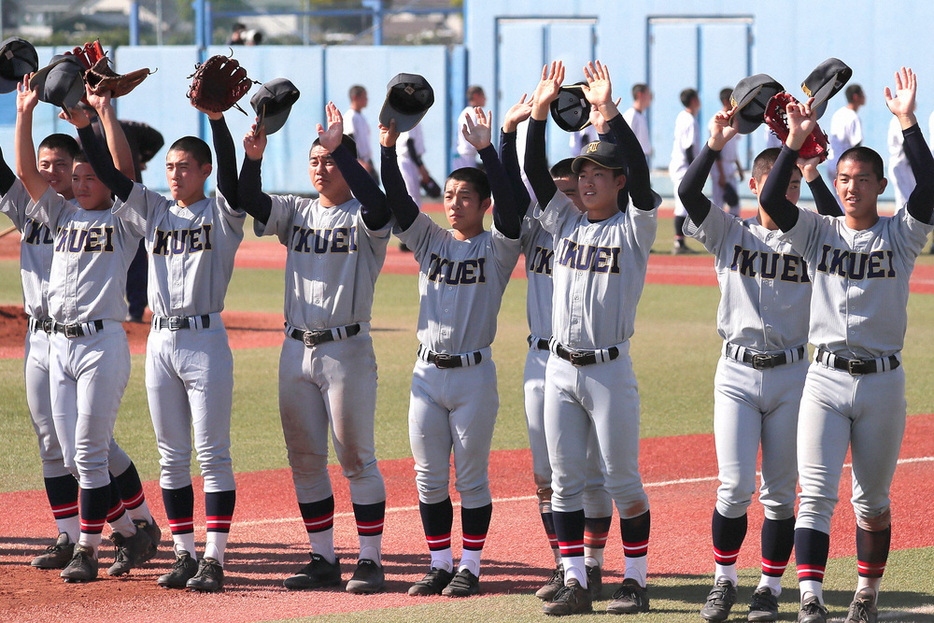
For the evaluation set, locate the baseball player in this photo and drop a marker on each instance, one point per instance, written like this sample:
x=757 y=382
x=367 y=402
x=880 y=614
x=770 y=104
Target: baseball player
x=86 y=308
x=685 y=148
x=854 y=395
x=599 y=266
x=846 y=129
x=727 y=170
x=462 y=274
x=635 y=117
x=466 y=152
x=359 y=128
x=903 y=180
x=327 y=369
x=56 y=156
x=191 y=240
x=764 y=288
x=538 y=249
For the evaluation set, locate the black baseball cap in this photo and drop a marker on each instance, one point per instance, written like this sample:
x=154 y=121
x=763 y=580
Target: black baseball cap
x=61 y=82
x=825 y=81
x=273 y=103
x=571 y=110
x=751 y=96
x=17 y=58
x=606 y=154
x=408 y=98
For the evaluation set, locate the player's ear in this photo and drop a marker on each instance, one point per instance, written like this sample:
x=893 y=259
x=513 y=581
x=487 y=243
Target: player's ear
x=882 y=184
x=206 y=169
x=485 y=204
x=753 y=185
x=619 y=181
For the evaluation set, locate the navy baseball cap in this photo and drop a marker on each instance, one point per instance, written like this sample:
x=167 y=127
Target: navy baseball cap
x=273 y=103
x=606 y=154
x=17 y=58
x=571 y=110
x=408 y=98
x=61 y=82
x=751 y=96
x=826 y=81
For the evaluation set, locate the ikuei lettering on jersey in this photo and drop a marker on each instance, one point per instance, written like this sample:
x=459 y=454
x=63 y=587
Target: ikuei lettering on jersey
x=37 y=234
x=182 y=241
x=459 y=273
x=91 y=240
x=856 y=264
x=319 y=241
x=590 y=258
x=768 y=265
x=539 y=261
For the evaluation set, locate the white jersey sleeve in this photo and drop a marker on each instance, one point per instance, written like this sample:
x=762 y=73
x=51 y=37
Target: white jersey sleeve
x=538 y=250
x=35 y=252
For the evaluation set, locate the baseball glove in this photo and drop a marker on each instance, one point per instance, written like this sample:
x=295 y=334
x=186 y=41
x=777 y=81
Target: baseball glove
x=431 y=188
x=100 y=76
x=218 y=84
x=815 y=145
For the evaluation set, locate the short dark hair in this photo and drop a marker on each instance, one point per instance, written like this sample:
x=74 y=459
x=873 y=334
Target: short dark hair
x=347 y=141
x=852 y=91
x=356 y=91
x=687 y=96
x=764 y=162
x=81 y=157
x=864 y=155
x=63 y=142
x=562 y=169
x=472 y=90
x=474 y=177
x=638 y=89
x=726 y=93
x=193 y=145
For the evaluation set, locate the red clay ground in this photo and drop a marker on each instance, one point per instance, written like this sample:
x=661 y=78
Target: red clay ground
x=267 y=540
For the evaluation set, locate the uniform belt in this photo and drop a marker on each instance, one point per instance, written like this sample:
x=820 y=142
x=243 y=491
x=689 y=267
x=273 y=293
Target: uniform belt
x=78 y=329
x=857 y=367
x=447 y=360
x=585 y=357
x=763 y=361
x=538 y=343
x=40 y=324
x=313 y=338
x=175 y=323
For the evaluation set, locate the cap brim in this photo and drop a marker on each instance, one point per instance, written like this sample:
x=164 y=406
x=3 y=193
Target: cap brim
x=579 y=162
x=8 y=86
x=37 y=82
x=274 y=122
x=404 y=121
x=744 y=125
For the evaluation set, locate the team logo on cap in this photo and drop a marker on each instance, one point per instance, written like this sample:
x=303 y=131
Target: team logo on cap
x=592 y=147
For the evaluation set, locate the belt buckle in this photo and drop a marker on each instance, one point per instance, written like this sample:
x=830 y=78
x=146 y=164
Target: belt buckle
x=72 y=331
x=175 y=323
x=443 y=360
x=47 y=325
x=761 y=361
x=577 y=358
x=853 y=366
x=309 y=338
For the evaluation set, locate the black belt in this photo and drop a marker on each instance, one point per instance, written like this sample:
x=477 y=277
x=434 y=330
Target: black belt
x=40 y=324
x=78 y=329
x=763 y=361
x=175 y=323
x=313 y=338
x=446 y=360
x=538 y=343
x=586 y=357
x=857 y=367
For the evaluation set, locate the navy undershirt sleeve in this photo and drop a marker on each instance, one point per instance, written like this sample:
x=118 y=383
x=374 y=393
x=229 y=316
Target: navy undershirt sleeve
x=772 y=197
x=100 y=160
x=7 y=177
x=226 y=162
x=824 y=200
x=536 y=166
x=403 y=207
x=373 y=206
x=506 y=216
x=638 y=182
x=510 y=159
x=252 y=199
x=691 y=190
x=921 y=200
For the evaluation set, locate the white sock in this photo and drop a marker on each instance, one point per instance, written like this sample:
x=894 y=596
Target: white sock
x=637 y=568
x=140 y=513
x=123 y=525
x=873 y=583
x=92 y=541
x=574 y=568
x=470 y=559
x=322 y=543
x=215 y=546
x=185 y=542
x=442 y=559
x=725 y=571
x=70 y=526
x=371 y=548
x=593 y=561
x=811 y=587
x=771 y=582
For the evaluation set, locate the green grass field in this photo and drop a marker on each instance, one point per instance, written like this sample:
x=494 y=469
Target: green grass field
x=675 y=350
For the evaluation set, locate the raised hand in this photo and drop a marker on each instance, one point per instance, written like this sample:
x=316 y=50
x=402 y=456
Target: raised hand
x=722 y=131
x=478 y=134
x=97 y=102
x=902 y=104
x=330 y=139
x=76 y=117
x=517 y=113
x=254 y=143
x=547 y=89
x=26 y=97
x=599 y=90
x=388 y=135
x=801 y=122
x=808 y=167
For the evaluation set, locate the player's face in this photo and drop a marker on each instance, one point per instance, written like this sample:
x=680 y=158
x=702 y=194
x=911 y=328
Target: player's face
x=90 y=192
x=186 y=177
x=858 y=188
x=326 y=177
x=599 y=188
x=568 y=185
x=55 y=166
x=464 y=208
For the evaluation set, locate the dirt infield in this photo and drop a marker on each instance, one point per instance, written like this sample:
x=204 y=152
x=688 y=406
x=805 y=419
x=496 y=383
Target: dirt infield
x=267 y=541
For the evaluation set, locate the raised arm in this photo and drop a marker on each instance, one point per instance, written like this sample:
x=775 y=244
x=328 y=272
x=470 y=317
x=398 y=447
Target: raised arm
x=250 y=195
x=117 y=143
x=25 y=150
x=403 y=207
x=226 y=159
x=691 y=190
x=373 y=205
x=921 y=201
x=100 y=158
x=508 y=154
x=824 y=200
x=536 y=164
x=7 y=177
x=801 y=122
x=506 y=216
